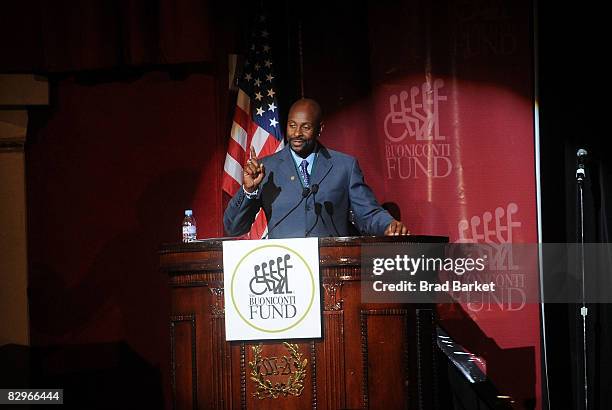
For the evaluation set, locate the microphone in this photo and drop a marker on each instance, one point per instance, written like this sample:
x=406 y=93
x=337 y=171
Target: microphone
x=305 y=194
x=329 y=208
x=580 y=158
x=314 y=188
x=318 y=208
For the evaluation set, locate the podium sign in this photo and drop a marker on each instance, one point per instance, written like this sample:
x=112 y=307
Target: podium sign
x=272 y=289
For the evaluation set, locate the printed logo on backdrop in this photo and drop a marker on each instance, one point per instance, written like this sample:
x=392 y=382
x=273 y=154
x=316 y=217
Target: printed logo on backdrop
x=488 y=229
x=273 y=289
x=485 y=29
x=494 y=232
x=415 y=146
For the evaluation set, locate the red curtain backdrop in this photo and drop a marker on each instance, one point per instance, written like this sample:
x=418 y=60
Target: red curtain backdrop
x=109 y=175
x=68 y=35
x=437 y=104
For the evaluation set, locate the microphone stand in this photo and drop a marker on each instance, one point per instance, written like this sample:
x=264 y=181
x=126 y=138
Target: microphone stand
x=314 y=189
x=580 y=176
x=317 y=209
x=305 y=194
x=329 y=207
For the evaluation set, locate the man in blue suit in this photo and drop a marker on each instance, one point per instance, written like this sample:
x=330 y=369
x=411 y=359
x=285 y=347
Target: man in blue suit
x=306 y=189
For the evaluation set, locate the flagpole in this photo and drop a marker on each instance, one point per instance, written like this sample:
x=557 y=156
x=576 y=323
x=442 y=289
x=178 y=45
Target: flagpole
x=256 y=119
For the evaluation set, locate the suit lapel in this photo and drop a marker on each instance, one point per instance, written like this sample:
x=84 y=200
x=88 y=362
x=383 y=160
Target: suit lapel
x=322 y=166
x=287 y=171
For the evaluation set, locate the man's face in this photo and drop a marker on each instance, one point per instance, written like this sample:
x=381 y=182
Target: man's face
x=303 y=126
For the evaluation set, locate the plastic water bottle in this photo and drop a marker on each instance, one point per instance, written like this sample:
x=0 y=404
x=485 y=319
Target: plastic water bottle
x=189 y=227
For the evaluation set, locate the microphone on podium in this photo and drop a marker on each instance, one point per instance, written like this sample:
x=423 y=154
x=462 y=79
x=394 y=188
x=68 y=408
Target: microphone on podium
x=314 y=188
x=306 y=192
x=329 y=208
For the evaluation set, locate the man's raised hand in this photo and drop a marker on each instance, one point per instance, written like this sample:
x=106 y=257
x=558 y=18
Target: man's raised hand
x=254 y=173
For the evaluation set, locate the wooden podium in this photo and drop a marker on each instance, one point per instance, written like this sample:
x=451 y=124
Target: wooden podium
x=378 y=356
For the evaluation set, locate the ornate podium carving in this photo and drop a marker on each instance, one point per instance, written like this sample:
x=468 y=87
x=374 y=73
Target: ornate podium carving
x=370 y=356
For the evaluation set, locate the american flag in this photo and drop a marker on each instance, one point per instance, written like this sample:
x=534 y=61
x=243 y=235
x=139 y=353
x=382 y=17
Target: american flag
x=256 y=117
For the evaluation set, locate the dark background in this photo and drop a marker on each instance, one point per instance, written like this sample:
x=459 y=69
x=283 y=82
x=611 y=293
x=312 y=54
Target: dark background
x=135 y=132
x=574 y=86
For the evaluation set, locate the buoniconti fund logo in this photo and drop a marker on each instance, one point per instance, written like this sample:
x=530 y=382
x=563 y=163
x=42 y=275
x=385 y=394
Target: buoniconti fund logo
x=271 y=289
x=415 y=146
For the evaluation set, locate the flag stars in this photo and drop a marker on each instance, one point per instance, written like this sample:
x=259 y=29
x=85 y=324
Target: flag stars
x=269 y=77
x=271 y=107
x=266 y=48
x=257 y=66
x=271 y=92
x=260 y=111
x=264 y=34
x=273 y=122
x=257 y=82
x=248 y=77
x=258 y=96
x=268 y=63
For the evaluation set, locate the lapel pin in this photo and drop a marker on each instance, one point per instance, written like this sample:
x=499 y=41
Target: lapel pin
x=292 y=177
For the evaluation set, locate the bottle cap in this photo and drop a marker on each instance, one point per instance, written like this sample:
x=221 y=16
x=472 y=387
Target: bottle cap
x=188 y=212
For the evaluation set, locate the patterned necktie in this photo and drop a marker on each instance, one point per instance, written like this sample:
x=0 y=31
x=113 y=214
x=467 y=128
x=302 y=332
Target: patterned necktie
x=304 y=172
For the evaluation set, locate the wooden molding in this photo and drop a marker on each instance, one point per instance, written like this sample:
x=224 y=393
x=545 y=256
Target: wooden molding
x=23 y=89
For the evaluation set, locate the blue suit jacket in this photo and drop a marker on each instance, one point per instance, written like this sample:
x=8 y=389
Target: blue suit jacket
x=324 y=213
